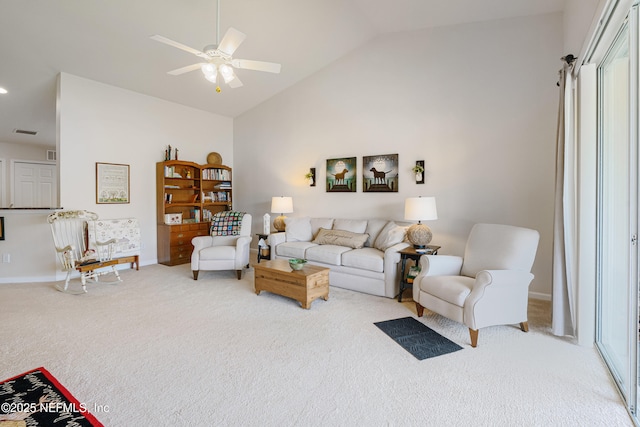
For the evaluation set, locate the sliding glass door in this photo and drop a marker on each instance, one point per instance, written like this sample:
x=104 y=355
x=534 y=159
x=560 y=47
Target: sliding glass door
x=617 y=272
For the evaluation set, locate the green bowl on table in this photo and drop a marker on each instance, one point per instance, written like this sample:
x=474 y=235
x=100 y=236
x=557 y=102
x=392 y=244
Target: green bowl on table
x=297 y=263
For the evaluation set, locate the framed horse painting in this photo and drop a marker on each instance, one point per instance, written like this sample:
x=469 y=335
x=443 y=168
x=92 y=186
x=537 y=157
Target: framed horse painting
x=341 y=175
x=380 y=173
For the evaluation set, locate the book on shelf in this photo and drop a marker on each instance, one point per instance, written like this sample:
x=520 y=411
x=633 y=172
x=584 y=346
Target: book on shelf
x=216 y=174
x=170 y=172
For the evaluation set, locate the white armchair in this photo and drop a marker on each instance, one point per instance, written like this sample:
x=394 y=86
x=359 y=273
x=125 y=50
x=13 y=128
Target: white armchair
x=488 y=286
x=222 y=252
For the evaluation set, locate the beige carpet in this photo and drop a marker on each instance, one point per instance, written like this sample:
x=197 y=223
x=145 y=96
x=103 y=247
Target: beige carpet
x=161 y=349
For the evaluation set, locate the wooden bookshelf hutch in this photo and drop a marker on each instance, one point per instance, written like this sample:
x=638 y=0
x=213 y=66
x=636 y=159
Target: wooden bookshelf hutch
x=187 y=195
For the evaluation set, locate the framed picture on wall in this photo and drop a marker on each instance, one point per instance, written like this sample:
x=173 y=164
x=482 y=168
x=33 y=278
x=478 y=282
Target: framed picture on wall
x=380 y=173
x=112 y=183
x=341 y=175
x=1 y=228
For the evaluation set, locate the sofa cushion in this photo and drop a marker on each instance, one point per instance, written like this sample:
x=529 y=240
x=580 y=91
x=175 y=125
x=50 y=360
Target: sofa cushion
x=327 y=254
x=340 y=238
x=366 y=258
x=353 y=225
x=391 y=234
x=374 y=226
x=298 y=229
x=293 y=249
x=318 y=223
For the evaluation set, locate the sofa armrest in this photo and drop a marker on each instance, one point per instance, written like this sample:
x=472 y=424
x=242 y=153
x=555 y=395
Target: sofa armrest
x=391 y=259
x=276 y=238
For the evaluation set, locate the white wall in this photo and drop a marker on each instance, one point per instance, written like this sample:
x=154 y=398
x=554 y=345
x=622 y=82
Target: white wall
x=477 y=102
x=102 y=123
x=578 y=21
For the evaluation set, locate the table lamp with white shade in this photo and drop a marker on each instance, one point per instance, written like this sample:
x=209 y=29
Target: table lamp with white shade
x=281 y=205
x=420 y=209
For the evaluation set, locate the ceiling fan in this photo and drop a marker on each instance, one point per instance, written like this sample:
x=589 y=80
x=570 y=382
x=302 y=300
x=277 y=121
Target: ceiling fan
x=218 y=58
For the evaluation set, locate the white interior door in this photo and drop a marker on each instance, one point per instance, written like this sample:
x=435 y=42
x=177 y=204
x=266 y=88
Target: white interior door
x=35 y=185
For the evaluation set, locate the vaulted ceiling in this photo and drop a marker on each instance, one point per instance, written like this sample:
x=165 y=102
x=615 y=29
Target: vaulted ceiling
x=108 y=41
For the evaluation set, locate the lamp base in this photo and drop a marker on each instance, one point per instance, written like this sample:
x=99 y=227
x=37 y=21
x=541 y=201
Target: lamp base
x=419 y=235
x=278 y=223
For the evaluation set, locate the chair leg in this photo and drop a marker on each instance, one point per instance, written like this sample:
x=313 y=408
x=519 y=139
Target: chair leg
x=524 y=326
x=473 y=333
x=419 y=309
x=83 y=279
x=115 y=271
x=195 y=274
x=239 y=273
x=66 y=281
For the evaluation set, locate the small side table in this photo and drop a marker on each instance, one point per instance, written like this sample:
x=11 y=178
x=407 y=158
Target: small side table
x=411 y=253
x=263 y=252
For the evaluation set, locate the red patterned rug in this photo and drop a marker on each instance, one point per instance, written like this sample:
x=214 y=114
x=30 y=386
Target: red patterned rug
x=36 y=398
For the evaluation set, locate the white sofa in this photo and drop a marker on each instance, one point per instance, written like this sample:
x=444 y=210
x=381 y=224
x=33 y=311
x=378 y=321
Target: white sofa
x=361 y=254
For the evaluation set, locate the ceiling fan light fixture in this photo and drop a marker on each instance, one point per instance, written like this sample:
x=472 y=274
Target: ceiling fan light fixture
x=227 y=73
x=212 y=78
x=208 y=69
x=210 y=72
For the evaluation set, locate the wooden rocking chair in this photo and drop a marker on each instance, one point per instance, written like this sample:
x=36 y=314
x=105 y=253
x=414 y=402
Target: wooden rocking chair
x=69 y=237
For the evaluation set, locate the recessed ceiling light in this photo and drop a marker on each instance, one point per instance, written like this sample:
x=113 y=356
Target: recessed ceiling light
x=3 y=90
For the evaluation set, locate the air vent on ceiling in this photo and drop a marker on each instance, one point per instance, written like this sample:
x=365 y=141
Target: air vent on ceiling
x=25 y=132
x=51 y=155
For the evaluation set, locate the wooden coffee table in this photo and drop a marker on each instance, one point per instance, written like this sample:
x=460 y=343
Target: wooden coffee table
x=306 y=285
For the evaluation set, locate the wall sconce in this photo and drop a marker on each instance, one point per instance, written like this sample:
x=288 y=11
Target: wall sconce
x=418 y=170
x=311 y=176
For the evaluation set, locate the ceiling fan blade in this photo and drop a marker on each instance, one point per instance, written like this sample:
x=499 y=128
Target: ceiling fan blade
x=235 y=83
x=231 y=40
x=186 y=69
x=173 y=43
x=247 y=64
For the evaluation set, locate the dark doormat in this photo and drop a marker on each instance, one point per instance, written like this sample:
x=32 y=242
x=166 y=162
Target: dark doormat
x=417 y=338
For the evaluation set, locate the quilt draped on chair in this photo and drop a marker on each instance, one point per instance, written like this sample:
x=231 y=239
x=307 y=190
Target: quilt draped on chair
x=226 y=223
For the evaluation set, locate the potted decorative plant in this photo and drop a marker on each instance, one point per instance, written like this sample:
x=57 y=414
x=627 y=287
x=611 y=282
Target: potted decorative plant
x=418 y=170
x=309 y=175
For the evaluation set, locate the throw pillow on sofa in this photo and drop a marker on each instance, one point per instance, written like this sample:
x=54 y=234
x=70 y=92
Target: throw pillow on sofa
x=374 y=227
x=318 y=223
x=391 y=234
x=352 y=225
x=340 y=238
x=298 y=229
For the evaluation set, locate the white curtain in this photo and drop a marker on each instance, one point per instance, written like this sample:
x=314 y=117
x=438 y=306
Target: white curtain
x=563 y=286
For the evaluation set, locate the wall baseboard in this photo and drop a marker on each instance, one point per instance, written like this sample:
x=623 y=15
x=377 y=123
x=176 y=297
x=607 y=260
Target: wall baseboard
x=22 y=279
